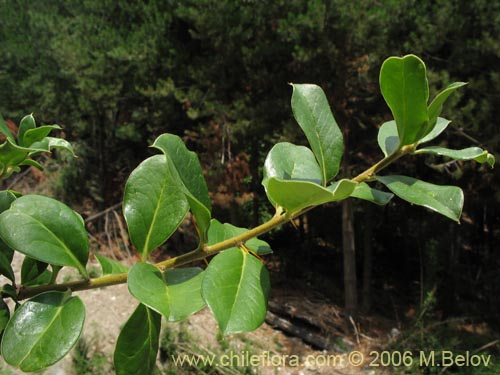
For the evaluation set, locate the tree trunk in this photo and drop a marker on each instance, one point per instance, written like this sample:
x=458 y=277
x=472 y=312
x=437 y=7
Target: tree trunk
x=349 y=249
x=367 y=261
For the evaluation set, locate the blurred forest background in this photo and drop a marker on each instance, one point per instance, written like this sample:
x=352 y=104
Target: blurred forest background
x=117 y=73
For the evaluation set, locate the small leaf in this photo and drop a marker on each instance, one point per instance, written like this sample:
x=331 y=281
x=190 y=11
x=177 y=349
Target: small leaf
x=470 y=153
x=4 y=316
x=364 y=191
x=43 y=330
x=313 y=114
x=186 y=167
x=297 y=195
x=12 y=155
x=175 y=293
x=446 y=200
x=436 y=105
x=153 y=206
x=219 y=232
x=45 y=229
x=27 y=123
x=49 y=143
x=110 y=266
x=6 y=267
x=388 y=139
x=404 y=86
x=36 y=135
x=137 y=345
x=4 y=129
x=6 y=199
x=440 y=126
x=31 y=269
x=236 y=288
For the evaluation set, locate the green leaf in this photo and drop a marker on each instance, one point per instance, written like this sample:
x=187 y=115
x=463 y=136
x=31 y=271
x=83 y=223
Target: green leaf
x=440 y=126
x=436 y=105
x=43 y=330
x=49 y=143
x=12 y=155
x=4 y=129
x=6 y=199
x=6 y=267
x=36 y=135
x=313 y=114
x=45 y=229
x=27 y=123
x=110 y=266
x=137 y=345
x=153 y=206
x=32 y=163
x=287 y=161
x=297 y=195
x=404 y=86
x=4 y=316
x=387 y=138
x=470 y=153
x=236 y=288
x=31 y=270
x=364 y=191
x=186 y=167
x=219 y=232
x=175 y=293
x=446 y=200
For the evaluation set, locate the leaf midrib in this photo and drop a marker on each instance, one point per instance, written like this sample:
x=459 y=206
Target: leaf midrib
x=238 y=290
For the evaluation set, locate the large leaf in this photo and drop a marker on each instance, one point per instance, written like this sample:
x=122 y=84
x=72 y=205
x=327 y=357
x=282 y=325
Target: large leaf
x=403 y=83
x=110 y=266
x=137 y=344
x=297 y=195
x=312 y=112
x=175 y=293
x=187 y=168
x=436 y=105
x=219 y=232
x=364 y=191
x=387 y=138
x=154 y=205
x=236 y=287
x=470 y=153
x=440 y=127
x=46 y=229
x=447 y=200
x=43 y=330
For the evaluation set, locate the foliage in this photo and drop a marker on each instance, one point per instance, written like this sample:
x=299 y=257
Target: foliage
x=159 y=192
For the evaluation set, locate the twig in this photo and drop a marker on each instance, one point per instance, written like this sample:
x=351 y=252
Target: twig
x=99 y=214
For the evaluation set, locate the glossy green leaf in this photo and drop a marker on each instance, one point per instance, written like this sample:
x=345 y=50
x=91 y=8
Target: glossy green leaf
x=436 y=105
x=4 y=129
x=219 y=232
x=440 y=127
x=43 y=330
x=27 y=123
x=110 y=266
x=175 y=293
x=313 y=114
x=153 y=206
x=470 y=153
x=364 y=191
x=446 y=200
x=297 y=195
x=45 y=229
x=6 y=199
x=404 y=86
x=236 y=288
x=137 y=345
x=31 y=270
x=4 y=316
x=186 y=167
x=38 y=134
x=12 y=154
x=387 y=138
